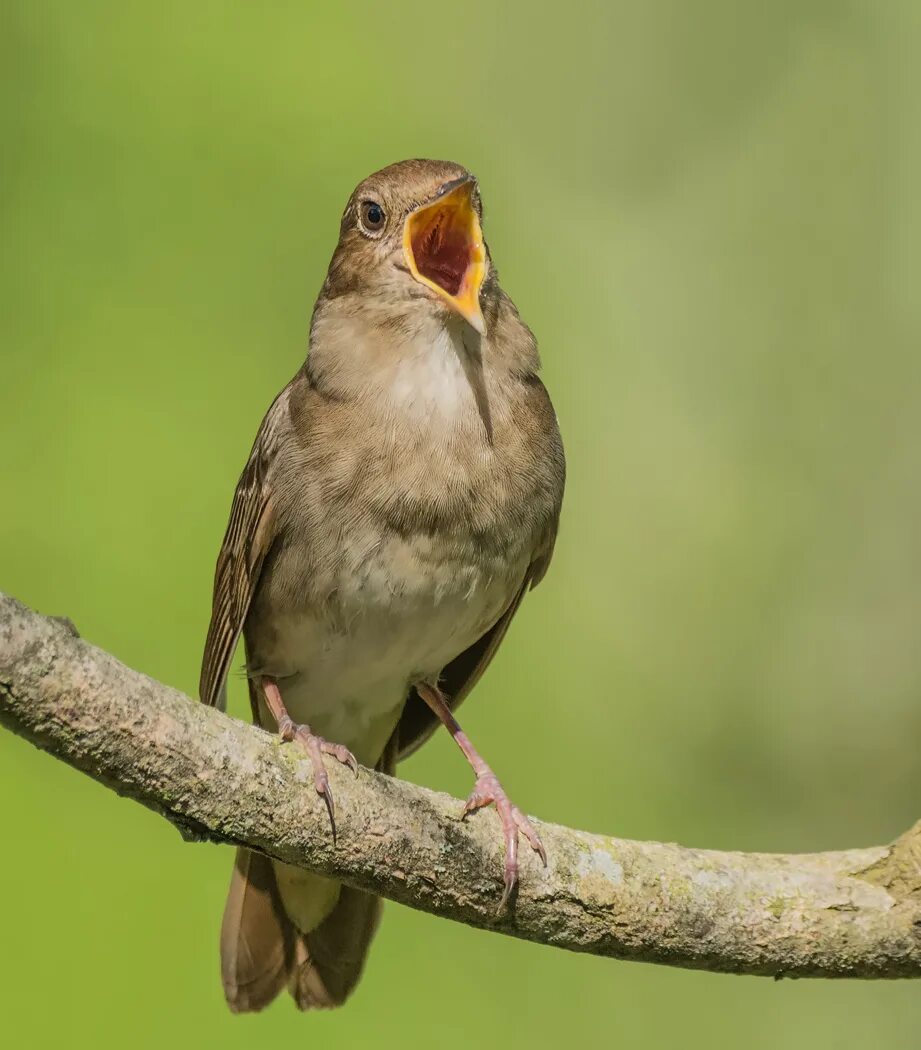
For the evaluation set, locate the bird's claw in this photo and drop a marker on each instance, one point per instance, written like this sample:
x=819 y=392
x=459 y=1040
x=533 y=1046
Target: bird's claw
x=488 y=791
x=315 y=748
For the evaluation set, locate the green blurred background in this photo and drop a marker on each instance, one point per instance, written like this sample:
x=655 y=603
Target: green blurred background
x=709 y=213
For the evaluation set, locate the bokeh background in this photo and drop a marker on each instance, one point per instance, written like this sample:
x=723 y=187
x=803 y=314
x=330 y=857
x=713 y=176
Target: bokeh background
x=709 y=213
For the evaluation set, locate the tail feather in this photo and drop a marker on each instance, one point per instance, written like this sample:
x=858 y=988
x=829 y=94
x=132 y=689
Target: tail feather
x=257 y=942
x=328 y=961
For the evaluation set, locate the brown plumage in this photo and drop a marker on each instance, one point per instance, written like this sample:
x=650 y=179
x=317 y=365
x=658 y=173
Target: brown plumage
x=402 y=494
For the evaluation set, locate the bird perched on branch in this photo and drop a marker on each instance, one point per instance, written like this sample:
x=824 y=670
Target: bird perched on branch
x=402 y=495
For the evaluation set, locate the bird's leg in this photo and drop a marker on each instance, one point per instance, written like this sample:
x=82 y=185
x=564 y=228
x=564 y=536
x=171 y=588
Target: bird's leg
x=487 y=789
x=315 y=746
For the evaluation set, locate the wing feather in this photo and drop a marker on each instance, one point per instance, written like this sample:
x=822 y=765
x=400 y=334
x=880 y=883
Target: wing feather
x=249 y=537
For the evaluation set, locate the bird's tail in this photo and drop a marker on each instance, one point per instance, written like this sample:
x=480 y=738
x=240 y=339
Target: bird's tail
x=283 y=926
x=257 y=937
x=328 y=961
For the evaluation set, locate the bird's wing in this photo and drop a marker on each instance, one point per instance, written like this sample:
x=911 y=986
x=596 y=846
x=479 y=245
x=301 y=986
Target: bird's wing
x=250 y=534
x=418 y=722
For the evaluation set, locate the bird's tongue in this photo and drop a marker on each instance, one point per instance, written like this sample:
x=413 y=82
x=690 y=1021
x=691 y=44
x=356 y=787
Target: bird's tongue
x=442 y=248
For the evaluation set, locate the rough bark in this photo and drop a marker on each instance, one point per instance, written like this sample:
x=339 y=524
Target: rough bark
x=853 y=913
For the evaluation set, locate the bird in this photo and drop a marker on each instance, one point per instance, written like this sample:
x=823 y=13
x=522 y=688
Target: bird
x=402 y=495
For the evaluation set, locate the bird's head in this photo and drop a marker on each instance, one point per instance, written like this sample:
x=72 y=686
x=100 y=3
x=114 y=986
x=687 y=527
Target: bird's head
x=411 y=236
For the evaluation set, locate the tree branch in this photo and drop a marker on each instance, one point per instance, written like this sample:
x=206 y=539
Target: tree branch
x=854 y=913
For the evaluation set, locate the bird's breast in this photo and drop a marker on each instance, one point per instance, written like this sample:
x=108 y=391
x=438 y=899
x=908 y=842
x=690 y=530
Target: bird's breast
x=388 y=604
x=389 y=610
x=405 y=533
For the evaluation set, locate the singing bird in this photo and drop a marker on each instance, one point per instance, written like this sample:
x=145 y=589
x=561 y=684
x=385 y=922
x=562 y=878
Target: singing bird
x=402 y=495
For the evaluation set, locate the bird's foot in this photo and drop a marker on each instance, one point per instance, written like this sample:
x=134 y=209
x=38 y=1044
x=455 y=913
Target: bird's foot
x=487 y=790
x=316 y=747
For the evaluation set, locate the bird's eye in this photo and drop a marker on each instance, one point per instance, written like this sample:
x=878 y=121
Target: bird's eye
x=373 y=216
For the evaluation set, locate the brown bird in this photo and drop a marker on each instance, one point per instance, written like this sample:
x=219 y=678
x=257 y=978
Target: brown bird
x=402 y=494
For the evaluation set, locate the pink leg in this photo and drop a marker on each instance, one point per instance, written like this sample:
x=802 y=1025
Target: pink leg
x=315 y=746
x=486 y=790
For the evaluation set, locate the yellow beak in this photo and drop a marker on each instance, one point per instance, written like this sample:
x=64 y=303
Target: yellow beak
x=444 y=250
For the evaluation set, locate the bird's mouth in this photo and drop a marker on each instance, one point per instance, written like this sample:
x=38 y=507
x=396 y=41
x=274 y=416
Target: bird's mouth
x=444 y=249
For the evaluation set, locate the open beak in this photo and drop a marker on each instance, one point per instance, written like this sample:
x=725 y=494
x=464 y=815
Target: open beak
x=444 y=249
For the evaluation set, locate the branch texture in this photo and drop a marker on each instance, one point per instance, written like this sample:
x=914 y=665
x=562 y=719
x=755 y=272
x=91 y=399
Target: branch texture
x=854 y=913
